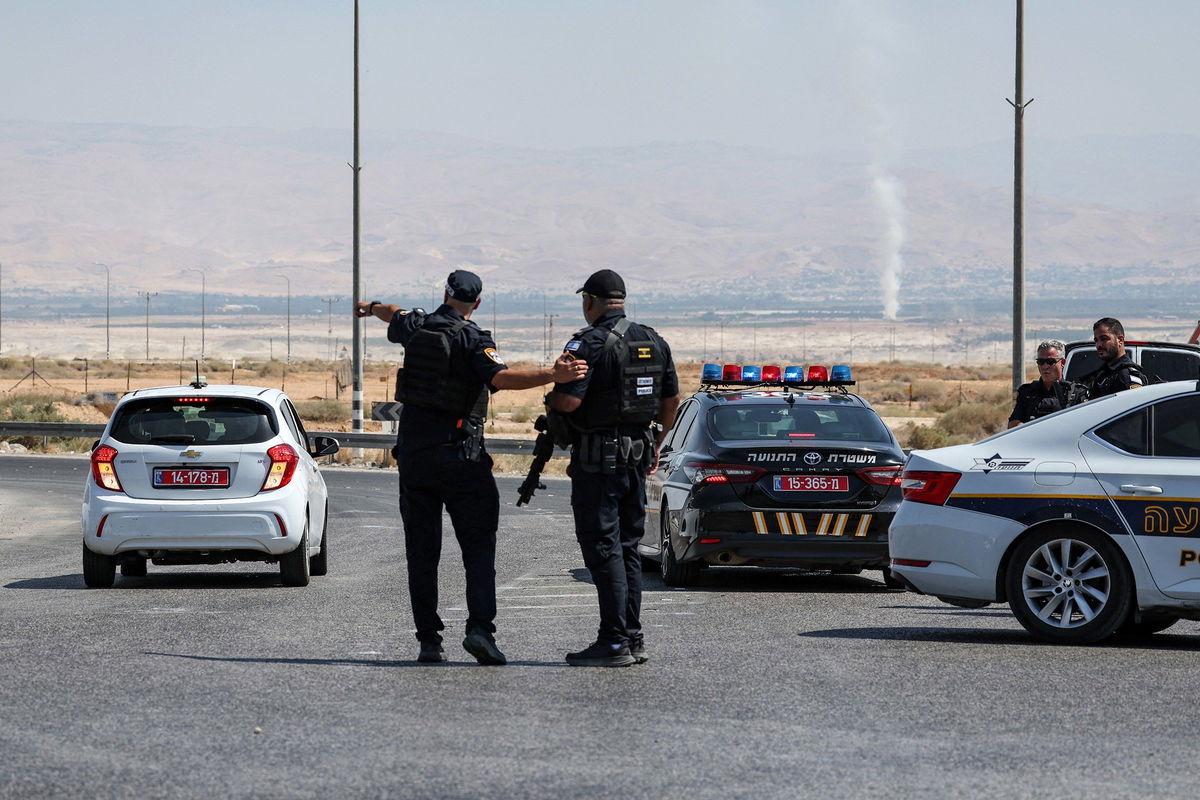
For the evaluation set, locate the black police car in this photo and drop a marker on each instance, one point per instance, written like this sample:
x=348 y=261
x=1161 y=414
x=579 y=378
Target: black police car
x=764 y=468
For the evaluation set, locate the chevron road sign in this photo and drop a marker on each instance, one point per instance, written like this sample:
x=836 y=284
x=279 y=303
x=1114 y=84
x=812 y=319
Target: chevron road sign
x=386 y=412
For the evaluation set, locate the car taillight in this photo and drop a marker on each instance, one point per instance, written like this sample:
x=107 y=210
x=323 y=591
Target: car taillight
x=705 y=472
x=102 y=468
x=928 y=487
x=283 y=466
x=881 y=476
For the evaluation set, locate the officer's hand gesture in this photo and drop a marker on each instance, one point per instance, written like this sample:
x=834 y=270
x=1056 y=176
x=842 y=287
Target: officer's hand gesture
x=363 y=309
x=568 y=368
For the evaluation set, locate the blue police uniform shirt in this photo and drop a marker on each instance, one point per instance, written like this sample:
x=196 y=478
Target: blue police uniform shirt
x=603 y=371
x=472 y=353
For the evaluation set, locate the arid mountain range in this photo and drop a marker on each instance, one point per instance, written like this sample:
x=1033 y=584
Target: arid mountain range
x=250 y=205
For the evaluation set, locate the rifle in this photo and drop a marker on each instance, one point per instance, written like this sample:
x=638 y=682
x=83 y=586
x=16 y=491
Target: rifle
x=543 y=449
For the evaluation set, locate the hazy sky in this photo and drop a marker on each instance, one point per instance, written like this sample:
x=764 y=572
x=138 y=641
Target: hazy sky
x=799 y=75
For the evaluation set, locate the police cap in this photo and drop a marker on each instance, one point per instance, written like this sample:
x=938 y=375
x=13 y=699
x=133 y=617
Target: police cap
x=464 y=286
x=604 y=283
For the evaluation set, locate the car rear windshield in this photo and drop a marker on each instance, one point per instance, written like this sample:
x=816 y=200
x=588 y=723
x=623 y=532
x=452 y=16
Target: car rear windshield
x=213 y=420
x=796 y=423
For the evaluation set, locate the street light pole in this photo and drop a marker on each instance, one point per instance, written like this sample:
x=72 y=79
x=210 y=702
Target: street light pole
x=356 y=403
x=289 y=317
x=147 y=295
x=203 y=290
x=107 y=305
x=1018 y=342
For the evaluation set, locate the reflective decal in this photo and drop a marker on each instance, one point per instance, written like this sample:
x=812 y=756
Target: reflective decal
x=1001 y=464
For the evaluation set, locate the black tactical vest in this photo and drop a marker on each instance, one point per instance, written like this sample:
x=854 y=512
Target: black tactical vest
x=635 y=399
x=428 y=381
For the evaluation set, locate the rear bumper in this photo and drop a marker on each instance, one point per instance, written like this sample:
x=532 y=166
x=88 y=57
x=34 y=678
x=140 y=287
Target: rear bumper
x=817 y=540
x=810 y=552
x=272 y=523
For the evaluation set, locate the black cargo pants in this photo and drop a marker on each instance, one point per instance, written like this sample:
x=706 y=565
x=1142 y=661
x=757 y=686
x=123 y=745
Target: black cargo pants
x=430 y=479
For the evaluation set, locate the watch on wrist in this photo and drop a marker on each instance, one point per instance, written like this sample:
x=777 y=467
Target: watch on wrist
x=371 y=307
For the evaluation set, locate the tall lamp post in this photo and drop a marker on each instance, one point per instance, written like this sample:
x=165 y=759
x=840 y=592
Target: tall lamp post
x=356 y=403
x=147 y=295
x=1018 y=342
x=289 y=317
x=107 y=306
x=203 y=291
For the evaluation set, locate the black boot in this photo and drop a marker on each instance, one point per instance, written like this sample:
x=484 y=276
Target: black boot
x=601 y=654
x=483 y=647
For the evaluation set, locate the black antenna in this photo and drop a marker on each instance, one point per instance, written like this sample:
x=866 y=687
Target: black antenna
x=199 y=383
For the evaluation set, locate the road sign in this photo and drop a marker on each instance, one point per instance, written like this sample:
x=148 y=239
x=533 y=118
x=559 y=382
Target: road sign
x=386 y=412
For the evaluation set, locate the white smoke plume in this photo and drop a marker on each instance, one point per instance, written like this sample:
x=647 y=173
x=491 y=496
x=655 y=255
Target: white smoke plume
x=876 y=39
x=888 y=199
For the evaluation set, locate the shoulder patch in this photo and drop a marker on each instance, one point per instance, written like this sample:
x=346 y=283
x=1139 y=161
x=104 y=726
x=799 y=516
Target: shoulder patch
x=491 y=353
x=572 y=345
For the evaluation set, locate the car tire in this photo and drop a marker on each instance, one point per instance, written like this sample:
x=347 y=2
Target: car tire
x=1069 y=585
x=673 y=571
x=293 y=566
x=1146 y=626
x=99 y=570
x=319 y=564
x=891 y=581
x=134 y=569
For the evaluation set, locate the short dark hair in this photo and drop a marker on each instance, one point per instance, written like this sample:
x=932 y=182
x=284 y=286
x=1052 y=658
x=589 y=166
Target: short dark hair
x=1114 y=326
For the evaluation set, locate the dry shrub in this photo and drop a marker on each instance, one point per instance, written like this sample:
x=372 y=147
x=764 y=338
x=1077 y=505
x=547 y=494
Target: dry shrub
x=525 y=413
x=922 y=437
x=323 y=410
x=974 y=420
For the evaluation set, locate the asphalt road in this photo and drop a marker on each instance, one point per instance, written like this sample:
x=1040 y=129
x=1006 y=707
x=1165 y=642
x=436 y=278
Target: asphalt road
x=780 y=684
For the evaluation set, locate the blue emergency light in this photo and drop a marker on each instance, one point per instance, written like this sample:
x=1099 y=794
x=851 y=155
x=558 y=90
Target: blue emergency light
x=710 y=372
x=840 y=372
x=750 y=373
x=793 y=374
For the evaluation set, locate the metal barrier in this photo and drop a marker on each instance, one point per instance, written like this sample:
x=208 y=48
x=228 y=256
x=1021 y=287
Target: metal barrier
x=380 y=441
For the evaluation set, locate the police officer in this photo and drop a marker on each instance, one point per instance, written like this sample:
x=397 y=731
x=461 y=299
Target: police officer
x=1049 y=392
x=631 y=384
x=450 y=366
x=1118 y=372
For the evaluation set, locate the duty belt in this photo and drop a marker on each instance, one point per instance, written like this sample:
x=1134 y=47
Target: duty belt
x=605 y=452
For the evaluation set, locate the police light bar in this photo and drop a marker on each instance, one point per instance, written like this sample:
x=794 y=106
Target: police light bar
x=715 y=375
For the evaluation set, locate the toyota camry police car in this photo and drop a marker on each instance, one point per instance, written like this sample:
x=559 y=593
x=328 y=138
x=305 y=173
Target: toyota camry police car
x=771 y=467
x=1087 y=521
x=205 y=475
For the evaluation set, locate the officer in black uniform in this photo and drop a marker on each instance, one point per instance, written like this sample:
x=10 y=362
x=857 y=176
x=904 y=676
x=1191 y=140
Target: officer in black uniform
x=1118 y=372
x=631 y=384
x=1049 y=393
x=450 y=366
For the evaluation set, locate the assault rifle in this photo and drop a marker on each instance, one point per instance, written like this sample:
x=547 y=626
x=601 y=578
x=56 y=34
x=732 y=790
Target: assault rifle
x=543 y=449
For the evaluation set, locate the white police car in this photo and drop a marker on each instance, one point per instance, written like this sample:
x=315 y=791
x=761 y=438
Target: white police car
x=1087 y=521
x=205 y=475
x=773 y=467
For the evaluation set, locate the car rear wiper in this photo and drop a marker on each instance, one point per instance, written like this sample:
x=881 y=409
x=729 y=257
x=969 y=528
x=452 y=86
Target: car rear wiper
x=174 y=438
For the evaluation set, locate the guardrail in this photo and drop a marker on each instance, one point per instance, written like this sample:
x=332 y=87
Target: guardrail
x=378 y=441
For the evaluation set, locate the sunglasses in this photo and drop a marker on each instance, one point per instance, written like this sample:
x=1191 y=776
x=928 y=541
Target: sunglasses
x=1045 y=362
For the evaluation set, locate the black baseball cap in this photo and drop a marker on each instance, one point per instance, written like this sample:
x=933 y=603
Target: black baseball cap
x=464 y=286
x=604 y=283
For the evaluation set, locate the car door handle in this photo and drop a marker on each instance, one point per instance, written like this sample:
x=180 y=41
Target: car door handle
x=1132 y=488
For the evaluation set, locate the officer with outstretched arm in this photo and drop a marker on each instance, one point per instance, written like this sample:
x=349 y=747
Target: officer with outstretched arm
x=608 y=416
x=450 y=367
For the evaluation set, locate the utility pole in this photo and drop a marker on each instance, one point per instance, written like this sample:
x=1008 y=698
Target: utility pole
x=1 y=307
x=1018 y=339
x=329 y=301
x=147 y=295
x=107 y=304
x=203 y=291
x=356 y=403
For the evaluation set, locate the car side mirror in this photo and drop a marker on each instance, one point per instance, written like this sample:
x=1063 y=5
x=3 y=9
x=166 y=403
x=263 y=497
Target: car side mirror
x=324 y=446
